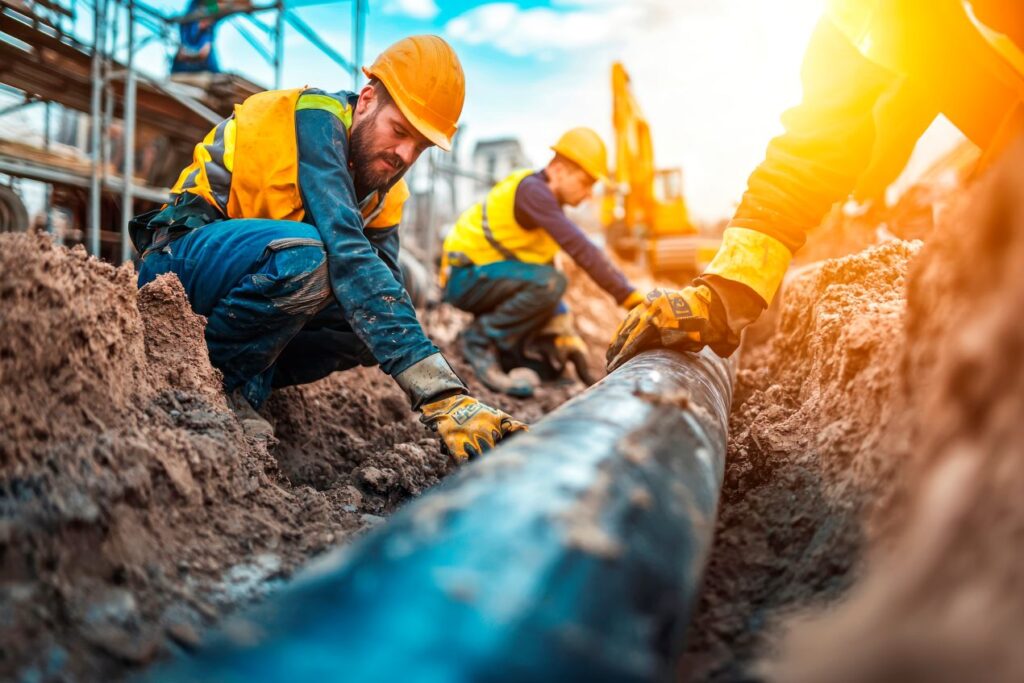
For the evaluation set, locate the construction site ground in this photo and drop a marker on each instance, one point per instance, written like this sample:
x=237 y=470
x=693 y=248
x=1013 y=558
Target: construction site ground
x=870 y=522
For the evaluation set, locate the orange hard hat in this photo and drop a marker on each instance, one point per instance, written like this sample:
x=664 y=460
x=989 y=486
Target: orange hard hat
x=425 y=79
x=584 y=147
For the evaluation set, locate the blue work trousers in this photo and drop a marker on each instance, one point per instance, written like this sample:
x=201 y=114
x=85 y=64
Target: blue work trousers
x=510 y=299
x=263 y=285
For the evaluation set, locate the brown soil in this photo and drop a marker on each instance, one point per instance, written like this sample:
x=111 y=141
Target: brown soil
x=941 y=599
x=133 y=510
x=814 y=447
x=870 y=523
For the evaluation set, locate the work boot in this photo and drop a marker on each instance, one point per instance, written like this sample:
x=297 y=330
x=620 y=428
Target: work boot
x=480 y=354
x=253 y=424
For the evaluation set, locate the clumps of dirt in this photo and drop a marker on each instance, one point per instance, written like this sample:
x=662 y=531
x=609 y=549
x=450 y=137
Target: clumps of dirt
x=816 y=438
x=941 y=599
x=133 y=511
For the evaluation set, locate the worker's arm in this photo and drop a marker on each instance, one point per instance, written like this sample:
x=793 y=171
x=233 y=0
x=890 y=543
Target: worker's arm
x=374 y=302
x=385 y=243
x=537 y=209
x=827 y=144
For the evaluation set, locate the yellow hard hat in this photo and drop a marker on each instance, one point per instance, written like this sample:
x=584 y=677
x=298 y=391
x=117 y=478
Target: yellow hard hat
x=584 y=147
x=424 y=77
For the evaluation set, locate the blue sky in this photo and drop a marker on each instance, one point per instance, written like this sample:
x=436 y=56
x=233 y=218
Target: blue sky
x=713 y=76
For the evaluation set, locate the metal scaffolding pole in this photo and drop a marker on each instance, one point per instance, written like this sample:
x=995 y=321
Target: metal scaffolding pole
x=358 y=29
x=96 y=115
x=279 y=45
x=128 y=172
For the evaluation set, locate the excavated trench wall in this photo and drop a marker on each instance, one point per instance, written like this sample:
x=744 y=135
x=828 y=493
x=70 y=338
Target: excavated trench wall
x=881 y=420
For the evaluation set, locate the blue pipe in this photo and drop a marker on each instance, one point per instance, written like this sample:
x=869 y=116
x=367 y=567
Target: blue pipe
x=573 y=552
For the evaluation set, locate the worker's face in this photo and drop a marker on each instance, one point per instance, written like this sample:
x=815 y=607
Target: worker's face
x=574 y=185
x=384 y=143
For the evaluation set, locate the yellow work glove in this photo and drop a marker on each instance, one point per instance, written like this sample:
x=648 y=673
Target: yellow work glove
x=634 y=299
x=467 y=426
x=684 y=320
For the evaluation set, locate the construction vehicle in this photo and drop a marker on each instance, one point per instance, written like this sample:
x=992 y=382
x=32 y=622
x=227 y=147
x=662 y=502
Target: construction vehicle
x=643 y=211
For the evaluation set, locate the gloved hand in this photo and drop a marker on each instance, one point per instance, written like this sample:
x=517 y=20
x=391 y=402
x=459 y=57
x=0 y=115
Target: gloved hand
x=563 y=345
x=634 y=299
x=467 y=426
x=685 y=320
x=572 y=349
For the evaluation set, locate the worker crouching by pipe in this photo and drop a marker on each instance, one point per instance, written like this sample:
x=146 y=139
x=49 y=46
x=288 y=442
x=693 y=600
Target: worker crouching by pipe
x=284 y=234
x=499 y=266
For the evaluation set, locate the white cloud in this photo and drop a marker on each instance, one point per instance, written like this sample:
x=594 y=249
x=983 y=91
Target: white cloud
x=711 y=76
x=519 y=31
x=417 y=9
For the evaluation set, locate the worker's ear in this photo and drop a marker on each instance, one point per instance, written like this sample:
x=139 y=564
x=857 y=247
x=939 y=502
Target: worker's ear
x=367 y=100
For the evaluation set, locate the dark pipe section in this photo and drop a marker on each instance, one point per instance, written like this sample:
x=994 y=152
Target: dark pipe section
x=573 y=552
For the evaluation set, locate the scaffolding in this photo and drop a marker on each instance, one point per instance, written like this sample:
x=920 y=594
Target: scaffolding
x=80 y=54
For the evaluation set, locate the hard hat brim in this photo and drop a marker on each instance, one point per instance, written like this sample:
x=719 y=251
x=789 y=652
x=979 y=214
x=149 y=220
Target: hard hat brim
x=598 y=175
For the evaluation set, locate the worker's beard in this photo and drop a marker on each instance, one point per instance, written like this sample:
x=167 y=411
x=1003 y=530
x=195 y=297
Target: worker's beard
x=363 y=156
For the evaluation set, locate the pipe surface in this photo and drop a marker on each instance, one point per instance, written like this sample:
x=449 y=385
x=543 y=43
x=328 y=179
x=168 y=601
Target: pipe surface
x=573 y=552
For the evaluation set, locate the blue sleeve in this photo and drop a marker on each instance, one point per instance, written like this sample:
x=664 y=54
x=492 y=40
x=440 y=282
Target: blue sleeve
x=536 y=207
x=385 y=243
x=374 y=302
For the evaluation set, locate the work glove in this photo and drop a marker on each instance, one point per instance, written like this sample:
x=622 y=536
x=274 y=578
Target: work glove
x=564 y=345
x=685 y=320
x=467 y=426
x=634 y=299
x=572 y=349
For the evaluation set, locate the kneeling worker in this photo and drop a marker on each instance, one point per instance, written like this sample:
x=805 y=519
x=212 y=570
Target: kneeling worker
x=284 y=233
x=499 y=265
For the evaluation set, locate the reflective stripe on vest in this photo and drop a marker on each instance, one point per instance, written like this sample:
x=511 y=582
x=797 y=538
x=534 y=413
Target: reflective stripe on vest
x=488 y=231
x=247 y=166
x=489 y=236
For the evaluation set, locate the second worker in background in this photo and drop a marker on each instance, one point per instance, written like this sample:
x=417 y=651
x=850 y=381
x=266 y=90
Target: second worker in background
x=499 y=265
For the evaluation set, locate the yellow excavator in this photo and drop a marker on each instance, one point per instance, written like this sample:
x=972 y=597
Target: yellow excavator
x=643 y=211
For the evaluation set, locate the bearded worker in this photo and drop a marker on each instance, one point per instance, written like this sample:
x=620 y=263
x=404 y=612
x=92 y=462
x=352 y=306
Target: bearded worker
x=284 y=234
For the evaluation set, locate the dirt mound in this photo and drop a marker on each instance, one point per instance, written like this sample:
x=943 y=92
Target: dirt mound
x=133 y=510
x=941 y=601
x=126 y=485
x=813 y=446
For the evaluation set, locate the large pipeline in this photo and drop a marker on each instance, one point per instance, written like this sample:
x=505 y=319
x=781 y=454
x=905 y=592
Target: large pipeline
x=573 y=552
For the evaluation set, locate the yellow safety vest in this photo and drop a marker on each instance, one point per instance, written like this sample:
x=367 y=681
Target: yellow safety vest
x=248 y=165
x=488 y=232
